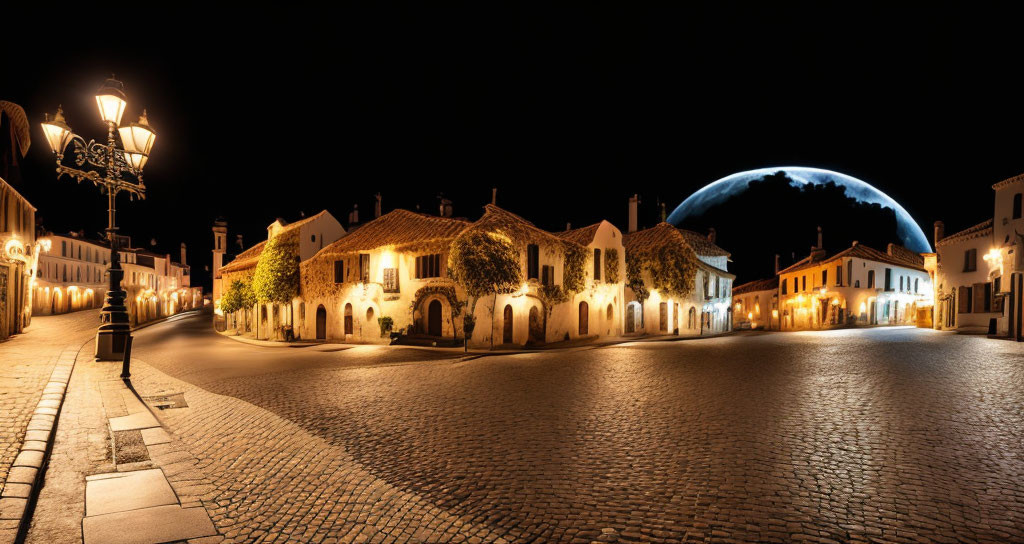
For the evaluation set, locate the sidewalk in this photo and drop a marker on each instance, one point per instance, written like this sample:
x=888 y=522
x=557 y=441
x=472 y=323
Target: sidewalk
x=117 y=476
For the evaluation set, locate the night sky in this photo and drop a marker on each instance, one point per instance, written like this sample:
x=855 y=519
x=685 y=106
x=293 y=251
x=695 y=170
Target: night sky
x=567 y=111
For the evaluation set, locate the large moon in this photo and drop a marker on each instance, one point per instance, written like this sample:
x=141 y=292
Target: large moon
x=911 y=235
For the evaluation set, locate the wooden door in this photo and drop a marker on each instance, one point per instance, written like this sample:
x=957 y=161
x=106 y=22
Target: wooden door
x=506 y=335
x=321 y=323
x=434 y=318
x=536 y=326
x=348 y=319
x=584 y=319
x=630 y=319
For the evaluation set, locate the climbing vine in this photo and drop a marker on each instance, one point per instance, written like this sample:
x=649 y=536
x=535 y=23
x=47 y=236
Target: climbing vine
x=574 y=272
x=484 y=263
x=237 y=297
x=276 y=278
x=671 y=268
x=611 y=265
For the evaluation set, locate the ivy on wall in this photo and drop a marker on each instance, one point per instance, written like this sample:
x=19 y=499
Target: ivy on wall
x=574 y=273
x=276 y=278
x=484 y=263
x=611 y=265
x=238 y=296
x=672 y=269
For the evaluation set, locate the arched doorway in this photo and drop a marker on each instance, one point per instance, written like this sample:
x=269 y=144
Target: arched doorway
x=632 y=317
x=536 y=326
x=348 y=318
x=321 y=322
x=691 y=321
x=584 y=318
x=506 y=335
x=434 y=318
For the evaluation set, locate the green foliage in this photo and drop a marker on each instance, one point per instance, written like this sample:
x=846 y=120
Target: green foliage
x=551 y=295
x=611 y=265
x=574 y=272
x=634 y=276
x=484 y=263
x=386 y=324
x=672 y=270
x=276 y=278
x=238 y=296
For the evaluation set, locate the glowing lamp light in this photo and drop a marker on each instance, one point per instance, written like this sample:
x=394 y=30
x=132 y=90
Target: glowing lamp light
x=58 y=133
x=137 y=160
x=111 y=101
x=750 y=315
x=863 y=307
x=775 y=313
x=138 y=137
x=822 y=291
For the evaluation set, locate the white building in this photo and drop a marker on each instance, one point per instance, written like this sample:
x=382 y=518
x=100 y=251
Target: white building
x=857 y=286
x=18 y=251
x=979 y=270
x=269 y=320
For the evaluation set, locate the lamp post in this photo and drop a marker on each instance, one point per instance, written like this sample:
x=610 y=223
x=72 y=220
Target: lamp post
x=112 y=169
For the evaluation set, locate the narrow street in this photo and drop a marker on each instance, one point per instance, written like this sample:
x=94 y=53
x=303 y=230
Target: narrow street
x=898 y=434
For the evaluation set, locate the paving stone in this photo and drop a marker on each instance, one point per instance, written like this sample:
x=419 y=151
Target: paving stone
x=154 y=524
x=127 y=491
x=138 y=420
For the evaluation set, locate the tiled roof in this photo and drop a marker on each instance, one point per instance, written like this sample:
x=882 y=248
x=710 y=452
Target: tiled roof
x=768 y=284
x=703 y=246
x=861 y=251
x=396 y=228
x=1015 y=179
x=290 y=226
x=515 y=227
x=582 y=236
x=977 y=231
x=653 y=238
x=245 y=260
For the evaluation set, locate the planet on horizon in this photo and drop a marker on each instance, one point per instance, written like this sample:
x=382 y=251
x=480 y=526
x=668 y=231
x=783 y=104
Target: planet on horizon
x=719 y=192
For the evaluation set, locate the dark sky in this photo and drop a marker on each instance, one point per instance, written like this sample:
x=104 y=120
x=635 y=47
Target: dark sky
x=566 y=111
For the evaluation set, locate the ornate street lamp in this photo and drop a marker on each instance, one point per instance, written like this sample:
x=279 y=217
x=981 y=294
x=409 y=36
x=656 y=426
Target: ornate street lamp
x=113 y=170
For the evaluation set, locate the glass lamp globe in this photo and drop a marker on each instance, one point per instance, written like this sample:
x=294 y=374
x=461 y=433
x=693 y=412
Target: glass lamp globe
x=58 y=133
x=138 y=137
x=111 y=101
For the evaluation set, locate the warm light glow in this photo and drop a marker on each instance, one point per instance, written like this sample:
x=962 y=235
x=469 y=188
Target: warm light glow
x=750 y=315
x=994 y=258
x=58 y=133
x=387 y=259
x=863 y=307
x=835 y=302
x=137 y=160
x=111 y=101
x=822 y=291
x=138 y=137
x=775 y=313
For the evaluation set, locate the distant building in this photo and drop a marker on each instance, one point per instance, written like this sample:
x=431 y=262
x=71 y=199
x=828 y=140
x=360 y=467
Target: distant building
x=756 y=305
x=858 y=286
x=269 y=320
x=979 y=270
x=18 y=250
x=72 y=275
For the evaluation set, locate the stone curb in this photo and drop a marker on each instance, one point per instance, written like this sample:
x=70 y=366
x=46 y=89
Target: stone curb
x=29 y=466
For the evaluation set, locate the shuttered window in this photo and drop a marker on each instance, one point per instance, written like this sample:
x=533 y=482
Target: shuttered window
x=339 y=271
x=597 y=264
x=364 y=267
x=532 y=262
x=548 y=275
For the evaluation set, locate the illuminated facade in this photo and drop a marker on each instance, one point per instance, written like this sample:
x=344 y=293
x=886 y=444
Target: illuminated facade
x=269 y=321
x=859 y=286
x=756 y=305
x=979 y=270
x=72 y=276
x=706 y=310
x=18 y=253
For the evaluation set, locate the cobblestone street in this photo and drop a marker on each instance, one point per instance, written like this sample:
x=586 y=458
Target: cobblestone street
x=895 y=435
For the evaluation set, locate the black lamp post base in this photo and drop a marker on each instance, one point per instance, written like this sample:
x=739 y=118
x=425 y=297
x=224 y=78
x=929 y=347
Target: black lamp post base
x=115 y=329
x=110 y=344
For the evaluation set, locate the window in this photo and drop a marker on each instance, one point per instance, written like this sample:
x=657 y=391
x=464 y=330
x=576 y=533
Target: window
x=917 y=279
x=532 y=262
x=888 y=279
x=63 y=248
x=364 y=267
x=839 y=275
x=970 y=260
x=428 y=266
x=390 y=280
x=824 y=278
x=1017 y=205
x=339 y=271
x=901 y=283
x=871 y=279
x=547 y=275
x=597 y=264
x=785 y=283
x=803 y=282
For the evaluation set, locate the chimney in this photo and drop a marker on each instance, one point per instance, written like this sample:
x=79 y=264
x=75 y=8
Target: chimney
x=183 y=253
x=568 y=226
x=494 y=196
x=241 y=245
x=940 y=232
x=376 y=206
x=712 y=235
x=446 y=207
x=854 y=244
x=663 y=215
x=353 y=216
x=777 y=264
x=633 y=201
x=820 y=245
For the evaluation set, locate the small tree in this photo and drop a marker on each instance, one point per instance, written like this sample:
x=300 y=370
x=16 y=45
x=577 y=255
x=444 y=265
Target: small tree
x=483 y=263
x=238 y=296
x=276 y=279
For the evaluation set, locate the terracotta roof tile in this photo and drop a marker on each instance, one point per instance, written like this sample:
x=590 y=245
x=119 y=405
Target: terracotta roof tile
x=703 y=246
x=245 y=260
x=582 y=236
x=861 y=251
x=981 y=229
x=767 y=284
x=396 y=228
